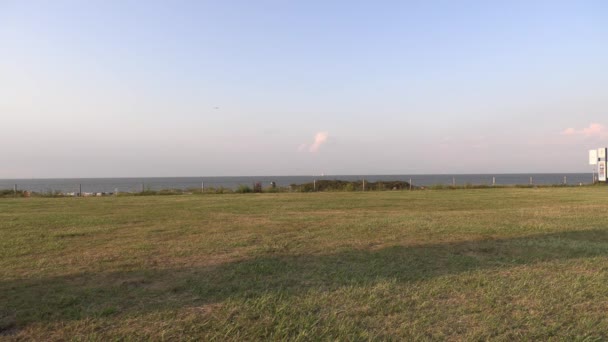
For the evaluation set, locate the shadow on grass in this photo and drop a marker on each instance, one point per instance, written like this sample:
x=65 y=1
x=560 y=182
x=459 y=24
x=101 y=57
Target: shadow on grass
x=132 y=293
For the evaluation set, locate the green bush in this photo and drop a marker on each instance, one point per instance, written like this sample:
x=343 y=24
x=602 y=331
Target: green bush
x=11 y=193
x=349 y=187
x=243 y=189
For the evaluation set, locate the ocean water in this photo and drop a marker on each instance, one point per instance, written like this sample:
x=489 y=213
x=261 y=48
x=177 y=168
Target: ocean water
x=67 y=185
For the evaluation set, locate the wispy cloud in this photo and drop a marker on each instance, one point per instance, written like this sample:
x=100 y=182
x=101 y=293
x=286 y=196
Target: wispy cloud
x=319 y=140
x=593 y=130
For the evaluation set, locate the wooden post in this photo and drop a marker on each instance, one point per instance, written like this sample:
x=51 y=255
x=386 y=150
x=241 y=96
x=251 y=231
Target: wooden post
x=493 y=180
x=15 y=189
x=454 y=181
x=79 y=190
x=202 y=187
x=410 y=184
x=363 y=184
x=314 y=185
x=531 y=180
x=565 y=180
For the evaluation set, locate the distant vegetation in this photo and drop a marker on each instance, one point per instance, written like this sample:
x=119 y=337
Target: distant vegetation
x=320 y=185
x=11 y=193
x=340 y=185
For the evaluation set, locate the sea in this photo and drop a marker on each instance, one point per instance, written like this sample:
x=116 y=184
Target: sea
x=112 y=185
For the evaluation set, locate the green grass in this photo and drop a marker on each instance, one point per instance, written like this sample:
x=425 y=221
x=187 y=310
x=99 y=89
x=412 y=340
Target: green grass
x=498 y=264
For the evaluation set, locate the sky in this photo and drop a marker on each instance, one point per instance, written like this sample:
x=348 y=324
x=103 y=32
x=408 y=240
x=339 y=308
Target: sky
x=225 y=88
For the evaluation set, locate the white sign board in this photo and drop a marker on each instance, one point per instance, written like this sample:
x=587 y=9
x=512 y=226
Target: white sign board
x=601 y=153
x=592 y=157
x=601 y=171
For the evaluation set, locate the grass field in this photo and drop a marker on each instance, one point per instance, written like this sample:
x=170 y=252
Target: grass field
x=497 y=264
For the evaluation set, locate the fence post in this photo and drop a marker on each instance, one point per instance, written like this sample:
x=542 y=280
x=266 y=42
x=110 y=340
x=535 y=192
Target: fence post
x=15 y=190
x=565 y=180
x=453 y=181
x=80 y=190
x=493 y=180
x=410 y=184
x=531 y=182
x=202 y=187
x=363 y=184
x=314 y=185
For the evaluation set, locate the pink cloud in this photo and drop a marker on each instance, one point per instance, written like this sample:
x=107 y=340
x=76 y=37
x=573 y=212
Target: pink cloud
x=569 y=131
x=593 y=130
x=319 y=140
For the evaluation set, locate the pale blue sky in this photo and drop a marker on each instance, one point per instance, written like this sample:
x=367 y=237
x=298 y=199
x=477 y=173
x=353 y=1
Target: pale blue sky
x=212 y=88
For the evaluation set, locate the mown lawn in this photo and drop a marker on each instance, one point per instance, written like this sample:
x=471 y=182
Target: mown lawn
x=498 y=264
